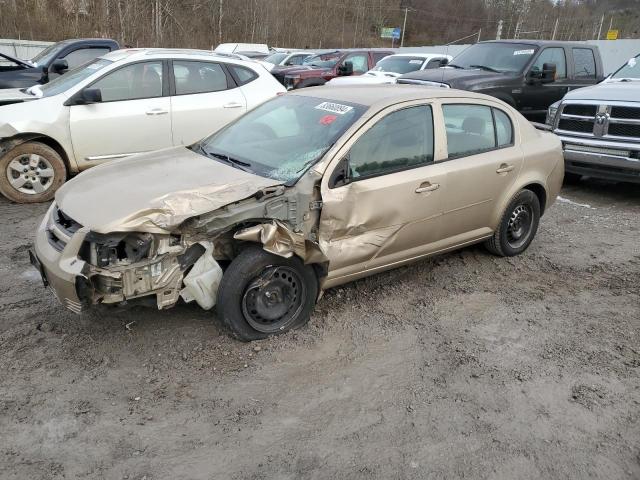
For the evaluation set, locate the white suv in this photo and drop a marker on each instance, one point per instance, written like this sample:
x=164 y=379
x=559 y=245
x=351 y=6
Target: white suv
x=126 y=102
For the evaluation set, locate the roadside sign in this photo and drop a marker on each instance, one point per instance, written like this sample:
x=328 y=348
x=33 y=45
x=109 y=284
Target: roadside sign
x=391 y=32
x=612 y=35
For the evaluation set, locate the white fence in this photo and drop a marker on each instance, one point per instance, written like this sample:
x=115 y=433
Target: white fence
x=23 y=49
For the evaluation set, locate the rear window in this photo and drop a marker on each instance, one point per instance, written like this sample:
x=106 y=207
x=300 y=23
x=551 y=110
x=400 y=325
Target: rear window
x=243 y=75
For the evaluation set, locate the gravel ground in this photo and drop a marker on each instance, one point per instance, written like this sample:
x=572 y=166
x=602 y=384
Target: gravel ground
x=461 y=366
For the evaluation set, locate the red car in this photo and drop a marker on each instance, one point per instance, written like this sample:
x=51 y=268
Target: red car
x=320 y=68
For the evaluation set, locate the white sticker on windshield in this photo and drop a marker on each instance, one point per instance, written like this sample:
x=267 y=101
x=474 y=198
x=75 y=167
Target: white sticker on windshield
x=523 y=52
x=416 y=62
x=632 y=62
x=334 y=108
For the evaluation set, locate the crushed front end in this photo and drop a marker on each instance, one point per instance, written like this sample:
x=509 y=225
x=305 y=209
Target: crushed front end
x=84 y=268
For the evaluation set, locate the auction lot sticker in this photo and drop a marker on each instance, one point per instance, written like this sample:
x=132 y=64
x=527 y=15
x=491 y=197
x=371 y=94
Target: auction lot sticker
x=334 y=108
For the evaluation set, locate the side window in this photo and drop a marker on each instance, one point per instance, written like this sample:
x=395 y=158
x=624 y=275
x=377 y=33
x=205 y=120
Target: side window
x=198 y=77
x=469 y=129
x=244 y=75
x=140 y=80
x=504 y=128
x=401 y=140
x=585 y=63
x=433 y=63
x=84 y=55
x=379 y=56
x=296 y=60
x=360 y=62
x=552 y=55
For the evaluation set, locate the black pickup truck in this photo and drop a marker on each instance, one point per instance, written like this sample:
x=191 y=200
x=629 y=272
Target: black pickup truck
x=530 y=75
x=53 y=61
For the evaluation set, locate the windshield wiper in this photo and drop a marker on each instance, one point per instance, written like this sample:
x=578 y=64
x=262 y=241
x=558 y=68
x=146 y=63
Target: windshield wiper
x=454 y=66
x=234 y=162
x=484 y=67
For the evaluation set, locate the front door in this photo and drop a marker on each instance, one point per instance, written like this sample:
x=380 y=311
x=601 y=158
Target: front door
x=390 y=207
x=483 y=163
x=134 y=115
x=536 y=96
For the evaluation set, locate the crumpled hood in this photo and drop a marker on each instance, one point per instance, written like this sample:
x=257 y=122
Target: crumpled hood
x=455 y=77
x=154 y=192
x=608 y=91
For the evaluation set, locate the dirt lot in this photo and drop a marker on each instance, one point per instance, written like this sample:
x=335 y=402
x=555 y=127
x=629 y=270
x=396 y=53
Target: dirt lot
x=463 y=366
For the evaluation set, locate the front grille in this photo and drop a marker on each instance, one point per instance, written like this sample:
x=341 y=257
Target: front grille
x=582 y=110
x=571 y=125
x=624 y=130
x=631 y=113
x=61 y=229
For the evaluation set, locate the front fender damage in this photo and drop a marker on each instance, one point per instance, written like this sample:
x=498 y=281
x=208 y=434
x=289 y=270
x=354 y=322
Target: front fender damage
x=278 y=239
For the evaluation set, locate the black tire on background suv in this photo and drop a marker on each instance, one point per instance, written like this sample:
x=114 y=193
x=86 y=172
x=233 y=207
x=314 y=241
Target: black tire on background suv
x=262 y=294
x=517 y=227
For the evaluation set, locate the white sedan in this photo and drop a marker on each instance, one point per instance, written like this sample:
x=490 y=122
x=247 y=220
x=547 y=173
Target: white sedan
x=126 y=102
x=391 y=67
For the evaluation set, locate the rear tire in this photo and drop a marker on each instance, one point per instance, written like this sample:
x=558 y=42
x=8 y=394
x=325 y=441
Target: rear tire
x=517 y=227
x=262 y=294
x=31 y=173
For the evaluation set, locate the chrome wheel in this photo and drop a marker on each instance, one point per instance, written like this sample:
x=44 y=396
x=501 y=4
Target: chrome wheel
x=519 y=226
x=272 y=300
x=30 y=173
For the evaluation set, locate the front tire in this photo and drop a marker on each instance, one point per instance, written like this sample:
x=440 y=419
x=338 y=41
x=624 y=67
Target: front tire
x=31 y=173
x=262 y=294
x=517 y=227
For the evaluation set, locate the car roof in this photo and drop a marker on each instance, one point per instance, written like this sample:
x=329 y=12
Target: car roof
x=542 y=43
x=420 y=55
x=132 y=54
x=383 y=95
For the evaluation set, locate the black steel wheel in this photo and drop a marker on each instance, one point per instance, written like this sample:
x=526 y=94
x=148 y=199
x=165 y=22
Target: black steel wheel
x=262 y=294
x=273 y=299
x=517 y=227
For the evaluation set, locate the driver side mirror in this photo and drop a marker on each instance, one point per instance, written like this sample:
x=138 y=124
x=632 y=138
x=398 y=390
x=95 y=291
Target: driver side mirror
x=346 y=69
x=548 y=73
x=341 y=174
x=444 y=61
x=59 y=66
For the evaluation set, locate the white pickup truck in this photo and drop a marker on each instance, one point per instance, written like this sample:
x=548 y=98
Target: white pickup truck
x=600 y=127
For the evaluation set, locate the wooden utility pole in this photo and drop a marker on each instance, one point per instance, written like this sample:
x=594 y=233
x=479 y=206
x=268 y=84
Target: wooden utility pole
x=404 y=25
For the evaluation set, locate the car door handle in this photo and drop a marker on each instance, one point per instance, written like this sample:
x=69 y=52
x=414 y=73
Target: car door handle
x=157 y=111
x=504 y=168
x=232 y=105
x=427 y=187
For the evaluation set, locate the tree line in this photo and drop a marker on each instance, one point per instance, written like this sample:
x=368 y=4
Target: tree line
x=314 y=23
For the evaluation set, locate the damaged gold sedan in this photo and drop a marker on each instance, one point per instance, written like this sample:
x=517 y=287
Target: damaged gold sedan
x=307 y=191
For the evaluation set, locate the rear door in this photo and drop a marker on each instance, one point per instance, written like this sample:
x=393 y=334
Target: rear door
x=584 y=67
x=205 y=97
x=134 y=115
x=483 y=161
